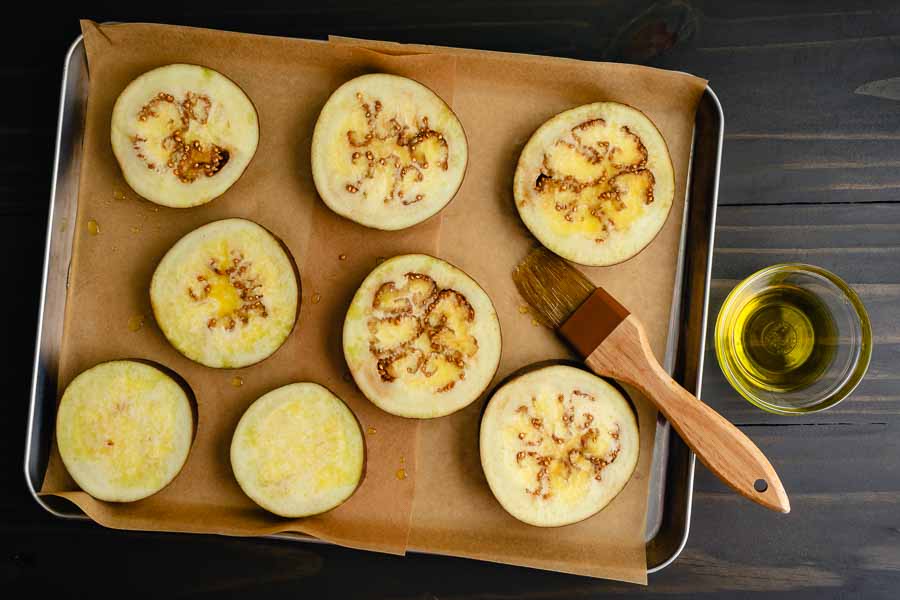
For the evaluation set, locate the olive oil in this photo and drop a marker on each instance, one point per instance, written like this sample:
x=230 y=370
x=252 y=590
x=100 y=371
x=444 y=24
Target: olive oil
x=784 y=338
x=135 y=323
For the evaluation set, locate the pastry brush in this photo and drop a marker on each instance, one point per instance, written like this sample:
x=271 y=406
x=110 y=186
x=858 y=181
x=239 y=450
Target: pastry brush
x=614 y=344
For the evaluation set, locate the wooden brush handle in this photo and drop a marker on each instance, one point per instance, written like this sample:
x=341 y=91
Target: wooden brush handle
x=625 y=355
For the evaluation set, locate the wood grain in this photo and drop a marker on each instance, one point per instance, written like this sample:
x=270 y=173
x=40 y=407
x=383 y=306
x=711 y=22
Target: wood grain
x=809 y=166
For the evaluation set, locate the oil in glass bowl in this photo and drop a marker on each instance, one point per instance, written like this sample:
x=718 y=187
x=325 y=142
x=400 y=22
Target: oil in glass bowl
x=793 y=339
x=785 y=338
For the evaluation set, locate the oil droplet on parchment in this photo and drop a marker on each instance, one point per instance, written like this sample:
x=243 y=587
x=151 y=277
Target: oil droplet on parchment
x=135 y=322
x=401 y=473
x=371 y=431
x=237 y=381
x=93 y=227
x=316 y=298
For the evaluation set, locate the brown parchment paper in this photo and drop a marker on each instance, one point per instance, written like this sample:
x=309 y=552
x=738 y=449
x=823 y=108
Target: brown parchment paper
x=288 y=81
x=501 y=99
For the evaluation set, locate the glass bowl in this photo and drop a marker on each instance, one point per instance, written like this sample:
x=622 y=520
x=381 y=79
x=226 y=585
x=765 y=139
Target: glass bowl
x=826 y=371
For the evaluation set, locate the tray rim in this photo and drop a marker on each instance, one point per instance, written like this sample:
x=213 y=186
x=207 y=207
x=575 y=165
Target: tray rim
x=77 y=45
x=701 y=350
x=42 y=303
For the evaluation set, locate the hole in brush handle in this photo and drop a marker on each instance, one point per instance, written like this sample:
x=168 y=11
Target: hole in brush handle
x=760 y=485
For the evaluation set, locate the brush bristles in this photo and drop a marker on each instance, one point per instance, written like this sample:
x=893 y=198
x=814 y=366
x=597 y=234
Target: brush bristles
x=553 y=287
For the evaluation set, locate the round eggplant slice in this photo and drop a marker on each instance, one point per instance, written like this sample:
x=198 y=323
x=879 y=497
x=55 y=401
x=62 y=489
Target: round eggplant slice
x=183 y=134
x=124 y=430
x=225 y=295
x=557 y=445
x=421 y=337
x=595 y=184
x=298 y=451
x=387 y=152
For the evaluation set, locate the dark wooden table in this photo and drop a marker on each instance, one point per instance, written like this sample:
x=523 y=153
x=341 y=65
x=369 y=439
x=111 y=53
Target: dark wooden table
x=811 y=173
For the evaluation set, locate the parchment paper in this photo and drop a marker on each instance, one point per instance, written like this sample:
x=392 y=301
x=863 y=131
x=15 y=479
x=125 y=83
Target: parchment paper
x=500 y=99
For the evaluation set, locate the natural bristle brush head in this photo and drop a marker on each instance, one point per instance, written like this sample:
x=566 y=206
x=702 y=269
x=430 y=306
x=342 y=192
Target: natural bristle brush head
x=551 y=286
x=564 y=299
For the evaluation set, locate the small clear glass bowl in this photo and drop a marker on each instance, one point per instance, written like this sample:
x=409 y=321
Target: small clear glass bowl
x=852 y=343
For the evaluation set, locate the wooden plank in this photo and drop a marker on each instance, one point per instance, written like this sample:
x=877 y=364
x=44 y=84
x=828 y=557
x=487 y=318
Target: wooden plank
x=813 y=91
x=800 y=126
x=767 y=23
x=763 y=169
x=860 y=245
x=843 y=524
x=22 y=245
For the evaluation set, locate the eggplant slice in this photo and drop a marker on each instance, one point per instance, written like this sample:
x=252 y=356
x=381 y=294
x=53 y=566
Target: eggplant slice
x=183 y=134
x=557 y=445
x=595 y=184
x=421 y=337
x=226 y=294
x=298 y=451
x=124 y=430
x=387 y=152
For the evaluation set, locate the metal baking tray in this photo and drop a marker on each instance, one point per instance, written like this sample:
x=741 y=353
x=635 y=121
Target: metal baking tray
x=672 y=469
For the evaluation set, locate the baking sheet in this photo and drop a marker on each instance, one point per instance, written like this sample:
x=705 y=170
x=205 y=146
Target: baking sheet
x=448 y=530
